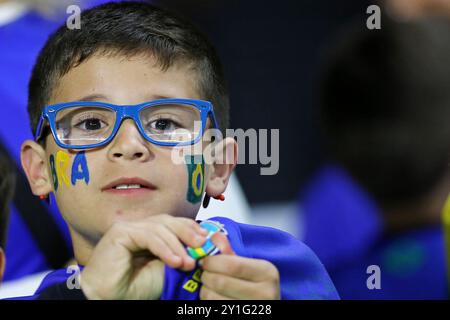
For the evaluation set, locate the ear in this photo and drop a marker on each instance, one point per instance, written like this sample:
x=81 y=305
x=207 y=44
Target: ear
x=2 y=264
x=223 y=164
x=34 y=163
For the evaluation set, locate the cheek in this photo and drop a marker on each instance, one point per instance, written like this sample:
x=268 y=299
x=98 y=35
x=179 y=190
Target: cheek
x=185 y=178
x=195 y=172
x=68 y=170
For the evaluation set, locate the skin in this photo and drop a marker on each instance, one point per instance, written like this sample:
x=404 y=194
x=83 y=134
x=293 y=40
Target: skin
x=124 y=240
x=413 y=9
x=2 y=264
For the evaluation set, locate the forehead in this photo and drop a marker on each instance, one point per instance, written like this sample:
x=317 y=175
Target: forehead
x=125 y=80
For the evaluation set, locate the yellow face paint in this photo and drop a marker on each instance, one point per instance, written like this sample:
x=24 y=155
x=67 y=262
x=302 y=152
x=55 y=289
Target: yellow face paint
x=59 y=167
x=62 y=164
x=195 y=178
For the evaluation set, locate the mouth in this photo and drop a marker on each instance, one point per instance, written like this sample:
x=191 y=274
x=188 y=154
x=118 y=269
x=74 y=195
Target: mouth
x=129 y=186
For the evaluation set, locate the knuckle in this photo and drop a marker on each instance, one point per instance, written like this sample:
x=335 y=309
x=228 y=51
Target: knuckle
x=271 y=271
x=119 y=227
x=271 y=285
x=204 y=293
x=213 y=280
x=164 y=217
x=205 y=277
x=156 y=229
x=220 y=283
x=187 y=223
x=236 y=267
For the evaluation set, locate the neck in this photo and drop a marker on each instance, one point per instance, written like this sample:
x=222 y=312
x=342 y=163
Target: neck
x=82 y=247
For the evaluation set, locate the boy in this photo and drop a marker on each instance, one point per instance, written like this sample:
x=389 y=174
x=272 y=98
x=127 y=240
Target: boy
x=125 y=95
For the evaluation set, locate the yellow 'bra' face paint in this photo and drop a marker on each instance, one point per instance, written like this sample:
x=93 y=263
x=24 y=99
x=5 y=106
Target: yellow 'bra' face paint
x=60 y=165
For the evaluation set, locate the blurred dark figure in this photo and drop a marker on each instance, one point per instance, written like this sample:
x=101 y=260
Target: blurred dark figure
x=270 y=56
x=385 y=106
x=7 y=182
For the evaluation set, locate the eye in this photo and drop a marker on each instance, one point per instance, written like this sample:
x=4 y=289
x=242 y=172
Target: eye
x=163 y=125
x=91 y=124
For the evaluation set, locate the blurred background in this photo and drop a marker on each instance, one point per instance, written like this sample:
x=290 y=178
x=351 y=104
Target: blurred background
x=358 y=196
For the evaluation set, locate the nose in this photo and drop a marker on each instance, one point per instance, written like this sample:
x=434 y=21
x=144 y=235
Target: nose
x=129 y=145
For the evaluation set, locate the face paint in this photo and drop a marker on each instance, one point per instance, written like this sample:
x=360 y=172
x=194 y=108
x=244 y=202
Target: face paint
x=54 y=175
x=195 y=167
x=62 y=163
x=80 y=170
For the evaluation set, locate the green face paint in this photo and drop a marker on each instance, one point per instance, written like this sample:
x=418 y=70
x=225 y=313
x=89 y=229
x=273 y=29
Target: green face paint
x=196 y=180
x=54 y=175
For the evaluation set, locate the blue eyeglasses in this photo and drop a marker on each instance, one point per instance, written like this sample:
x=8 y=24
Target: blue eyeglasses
x=91 y=124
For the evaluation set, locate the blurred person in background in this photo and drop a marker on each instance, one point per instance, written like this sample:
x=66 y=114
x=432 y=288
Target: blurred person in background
x=38 y=239
x=384 y=105
x=7 y=181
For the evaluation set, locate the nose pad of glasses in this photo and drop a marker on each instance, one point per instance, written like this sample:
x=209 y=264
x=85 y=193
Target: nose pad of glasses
x=131 y=121
x=134 y=124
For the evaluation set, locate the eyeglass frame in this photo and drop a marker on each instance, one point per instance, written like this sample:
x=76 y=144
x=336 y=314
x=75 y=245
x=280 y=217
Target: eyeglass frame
x=125 y=112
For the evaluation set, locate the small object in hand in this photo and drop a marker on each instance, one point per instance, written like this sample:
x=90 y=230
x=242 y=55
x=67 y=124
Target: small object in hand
x=208 y=249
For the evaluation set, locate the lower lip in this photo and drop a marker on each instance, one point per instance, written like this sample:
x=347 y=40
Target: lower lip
x=130 y=192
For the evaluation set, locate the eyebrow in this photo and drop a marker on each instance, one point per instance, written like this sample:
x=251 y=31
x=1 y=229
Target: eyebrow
x=93 y=97
x=99 y=96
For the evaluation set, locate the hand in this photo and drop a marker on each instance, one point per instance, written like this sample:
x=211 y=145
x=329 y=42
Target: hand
x=128 y=262
x=228 y=276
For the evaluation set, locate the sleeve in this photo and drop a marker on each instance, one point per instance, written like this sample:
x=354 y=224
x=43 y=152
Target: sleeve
x=302 y=275
x=61 y=292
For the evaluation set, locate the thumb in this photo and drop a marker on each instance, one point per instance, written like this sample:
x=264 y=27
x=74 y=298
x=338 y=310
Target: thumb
x=148 y=283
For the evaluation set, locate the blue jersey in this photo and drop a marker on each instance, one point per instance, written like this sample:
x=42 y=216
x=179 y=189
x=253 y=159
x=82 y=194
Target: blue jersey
x=302 y=275
x=411 y=265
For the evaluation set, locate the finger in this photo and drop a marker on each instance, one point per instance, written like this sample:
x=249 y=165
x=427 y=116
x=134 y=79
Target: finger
x=177 y=247
x=237 y=288
x=124 y=240
x=187 y=230
x=148 y=283
x=197 y=227
x=221 y=241
x=159 y=247
x=208 y=294
x=240 y=267
x=135 y=239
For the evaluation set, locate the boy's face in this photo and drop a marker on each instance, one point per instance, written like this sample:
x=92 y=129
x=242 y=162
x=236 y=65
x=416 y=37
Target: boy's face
x=83 y=184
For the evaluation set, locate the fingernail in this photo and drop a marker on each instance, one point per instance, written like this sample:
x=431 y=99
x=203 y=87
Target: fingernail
x=200 y=263
x=200 y=239
x=190 y=260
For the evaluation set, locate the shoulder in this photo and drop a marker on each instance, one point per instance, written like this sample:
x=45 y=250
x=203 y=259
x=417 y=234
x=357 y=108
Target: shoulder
x=302 y=275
